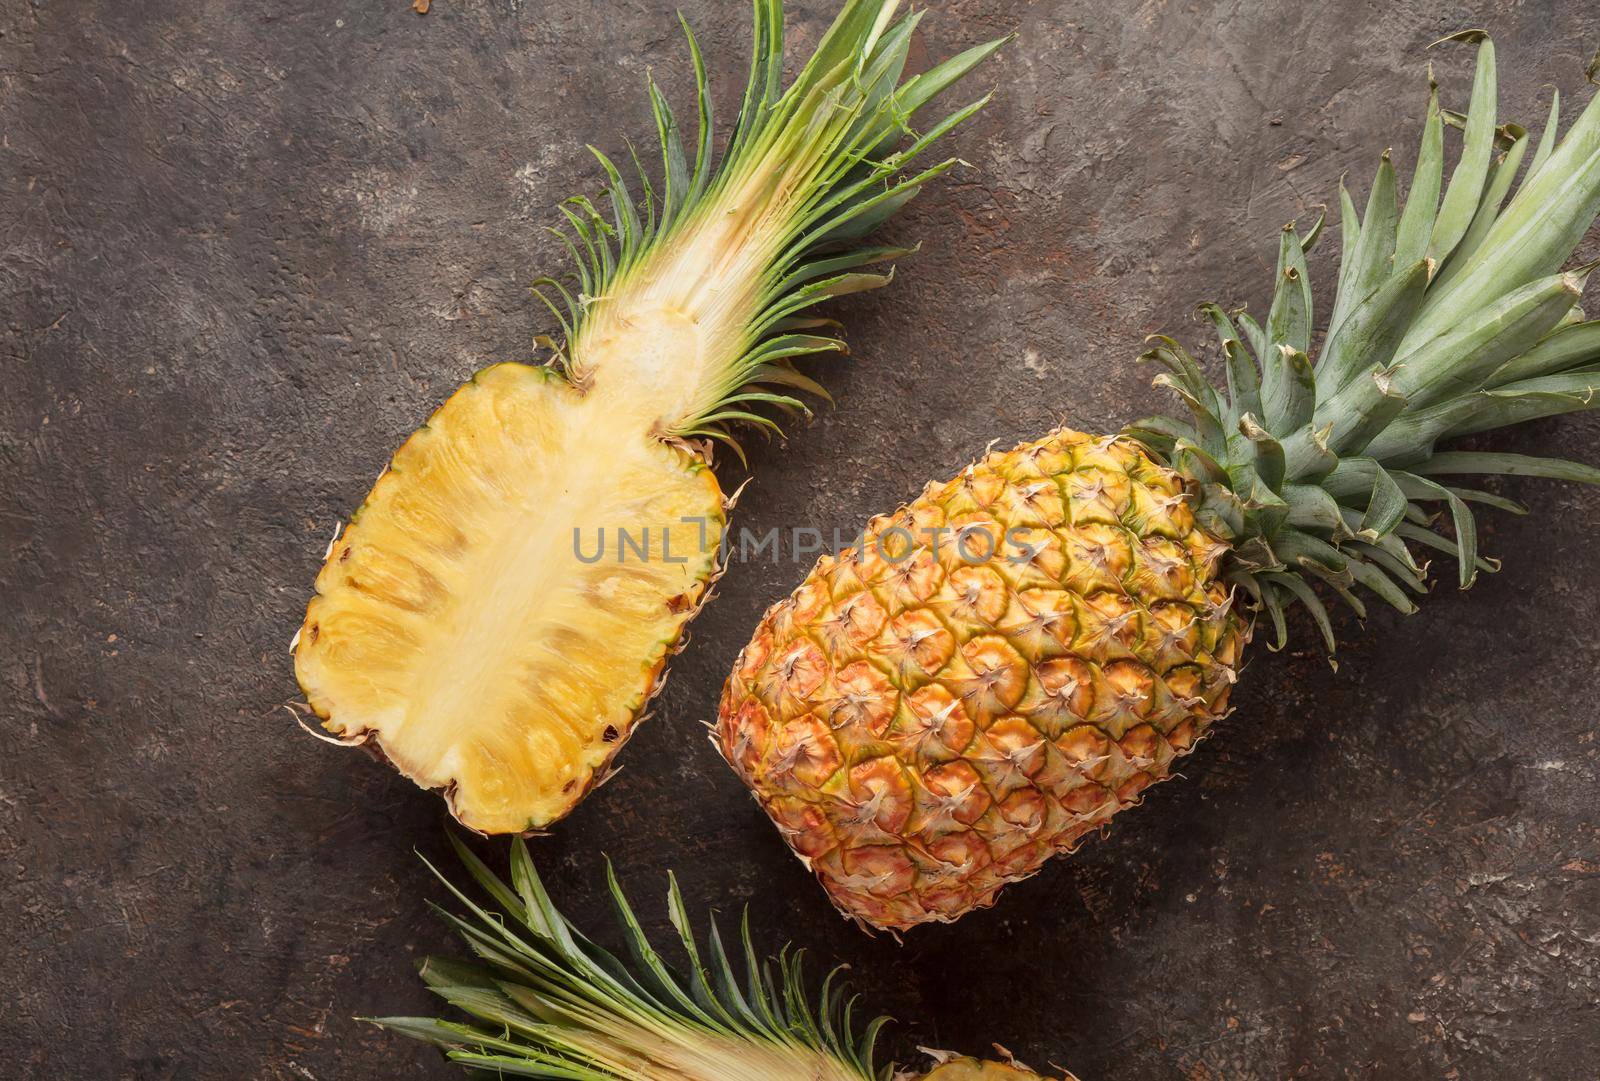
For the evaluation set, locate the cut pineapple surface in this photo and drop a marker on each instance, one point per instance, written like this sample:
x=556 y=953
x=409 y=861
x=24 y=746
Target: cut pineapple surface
x=499 y=613
x=500 y=609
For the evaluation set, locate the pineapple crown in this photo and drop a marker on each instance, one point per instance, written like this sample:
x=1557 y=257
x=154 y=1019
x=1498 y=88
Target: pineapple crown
x=548 y=1002
x=806 y=173
x=1451 y=316
x=551 y=1003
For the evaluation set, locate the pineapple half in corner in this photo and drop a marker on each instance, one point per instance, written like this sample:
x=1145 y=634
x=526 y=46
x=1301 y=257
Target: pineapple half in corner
x=1016 y=656
x=499 y=612
x=542 y=1000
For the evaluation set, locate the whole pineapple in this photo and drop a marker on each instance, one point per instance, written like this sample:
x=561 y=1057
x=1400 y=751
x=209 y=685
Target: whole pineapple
x=496 y=617
x=994 y=672
x=1003 y=665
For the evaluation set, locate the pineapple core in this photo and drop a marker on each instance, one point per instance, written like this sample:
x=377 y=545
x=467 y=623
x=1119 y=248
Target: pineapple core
x=499 y=611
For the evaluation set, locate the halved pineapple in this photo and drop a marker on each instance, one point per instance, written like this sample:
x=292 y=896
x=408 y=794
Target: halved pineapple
x=499 y=612
x=458 y=616
x=544 y=1001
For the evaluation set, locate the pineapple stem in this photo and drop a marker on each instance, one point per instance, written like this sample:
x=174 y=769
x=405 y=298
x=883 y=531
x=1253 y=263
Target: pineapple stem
x=691 y=307
x=1452 y=316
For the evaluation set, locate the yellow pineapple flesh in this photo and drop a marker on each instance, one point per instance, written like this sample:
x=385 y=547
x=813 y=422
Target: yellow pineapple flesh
x=998 y=669
x=453 y=618
x=497 y=616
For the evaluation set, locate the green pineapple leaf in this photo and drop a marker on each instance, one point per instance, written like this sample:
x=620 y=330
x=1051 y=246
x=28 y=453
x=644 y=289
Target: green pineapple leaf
x=1452 y=316
x=544 y=1001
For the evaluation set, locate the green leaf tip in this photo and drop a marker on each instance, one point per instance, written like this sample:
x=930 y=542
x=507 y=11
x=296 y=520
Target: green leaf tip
x=1470 y=37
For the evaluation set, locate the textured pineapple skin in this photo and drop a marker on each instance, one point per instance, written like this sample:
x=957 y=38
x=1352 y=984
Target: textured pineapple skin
x=924 y=725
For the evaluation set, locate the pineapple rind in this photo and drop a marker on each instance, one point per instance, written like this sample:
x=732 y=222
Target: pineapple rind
x=455 y=627
x=924 y=725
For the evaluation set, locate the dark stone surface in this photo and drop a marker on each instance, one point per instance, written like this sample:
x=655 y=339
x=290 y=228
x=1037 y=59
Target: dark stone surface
x=247 y=247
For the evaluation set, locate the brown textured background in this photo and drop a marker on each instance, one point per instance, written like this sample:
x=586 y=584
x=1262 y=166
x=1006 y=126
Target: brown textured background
x=245 y=247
